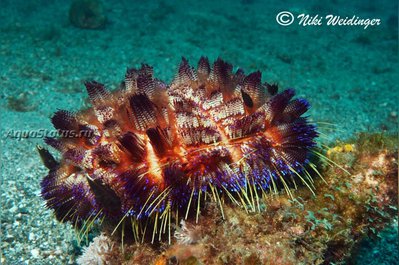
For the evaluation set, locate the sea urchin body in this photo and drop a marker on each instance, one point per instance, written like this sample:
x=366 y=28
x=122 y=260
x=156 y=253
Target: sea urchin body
x=156 y=151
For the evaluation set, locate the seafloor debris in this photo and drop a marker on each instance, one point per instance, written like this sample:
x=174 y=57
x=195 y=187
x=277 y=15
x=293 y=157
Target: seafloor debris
x=20 y=103
x=320 y=229
x=87 y=14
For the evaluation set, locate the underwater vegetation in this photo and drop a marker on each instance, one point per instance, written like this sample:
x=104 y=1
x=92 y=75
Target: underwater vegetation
x=153 y=154
x=320 y=228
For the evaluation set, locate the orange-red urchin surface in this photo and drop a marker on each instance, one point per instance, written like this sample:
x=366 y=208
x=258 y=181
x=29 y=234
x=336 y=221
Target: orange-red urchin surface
x=152 y=152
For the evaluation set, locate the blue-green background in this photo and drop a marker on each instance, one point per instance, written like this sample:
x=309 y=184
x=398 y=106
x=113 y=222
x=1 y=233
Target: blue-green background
x=349 y=74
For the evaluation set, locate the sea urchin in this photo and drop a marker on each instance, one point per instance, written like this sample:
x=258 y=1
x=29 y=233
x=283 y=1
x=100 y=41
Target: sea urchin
x=156 y=152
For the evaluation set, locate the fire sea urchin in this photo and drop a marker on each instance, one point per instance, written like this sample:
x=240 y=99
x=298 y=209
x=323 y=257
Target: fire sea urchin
x=157 y=152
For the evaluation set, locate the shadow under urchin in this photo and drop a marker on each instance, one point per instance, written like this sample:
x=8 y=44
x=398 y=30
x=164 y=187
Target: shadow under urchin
x=154 y=153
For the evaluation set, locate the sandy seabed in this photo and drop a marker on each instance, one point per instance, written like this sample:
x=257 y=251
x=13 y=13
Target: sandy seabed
x=349 y=74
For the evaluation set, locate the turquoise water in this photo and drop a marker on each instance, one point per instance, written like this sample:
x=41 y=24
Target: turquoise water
x=349 y=73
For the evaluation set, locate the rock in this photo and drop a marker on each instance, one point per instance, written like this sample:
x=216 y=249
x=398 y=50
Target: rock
x=321 y=228
x=87 y=14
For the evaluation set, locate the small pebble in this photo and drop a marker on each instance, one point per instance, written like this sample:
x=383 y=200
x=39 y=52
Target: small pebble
x=35 y=253
x=13 y=209
x=58 y=252
x=32 y=236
